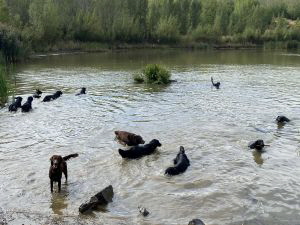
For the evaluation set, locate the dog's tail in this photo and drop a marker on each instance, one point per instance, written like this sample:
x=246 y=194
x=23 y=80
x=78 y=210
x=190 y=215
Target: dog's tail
x=212 y=80
x=70 y=156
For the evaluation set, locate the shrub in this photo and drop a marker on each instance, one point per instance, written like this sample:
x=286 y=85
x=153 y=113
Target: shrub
x=153 y=74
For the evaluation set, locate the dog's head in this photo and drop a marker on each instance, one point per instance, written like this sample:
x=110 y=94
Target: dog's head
x=138 y=139
x=38 y=92
x=56 y=161
x=19 y=99
x=30 y=99
x=155 y=142
x=83 y=90
x=58 y=93
x=181 y=150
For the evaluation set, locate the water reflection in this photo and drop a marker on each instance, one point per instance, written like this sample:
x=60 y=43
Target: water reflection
x=59 y=202
x=257 y=156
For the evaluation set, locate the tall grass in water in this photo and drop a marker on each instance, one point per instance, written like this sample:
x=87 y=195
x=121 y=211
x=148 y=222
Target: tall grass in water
x=3 y=86
x=153 y=74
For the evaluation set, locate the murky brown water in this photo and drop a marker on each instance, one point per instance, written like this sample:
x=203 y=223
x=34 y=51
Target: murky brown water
x=226 y=184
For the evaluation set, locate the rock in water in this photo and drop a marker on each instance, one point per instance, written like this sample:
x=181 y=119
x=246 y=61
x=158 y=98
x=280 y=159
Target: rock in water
x=143 y=211
x=102 y=198
x=196 y=222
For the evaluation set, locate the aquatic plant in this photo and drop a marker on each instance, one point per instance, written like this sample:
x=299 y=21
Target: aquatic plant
x=153 y=74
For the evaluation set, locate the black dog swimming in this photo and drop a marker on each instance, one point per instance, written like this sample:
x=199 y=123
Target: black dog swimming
x=26 y=107
x=181 y=163
x=37 y=93
x=258 y=145
x=217 y=85
x=139 y=151
x=56 y=95
x=82 y=92
x=282 y=119
x=17 y=104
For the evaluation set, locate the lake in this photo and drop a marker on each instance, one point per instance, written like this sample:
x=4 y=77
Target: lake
x=226 y=184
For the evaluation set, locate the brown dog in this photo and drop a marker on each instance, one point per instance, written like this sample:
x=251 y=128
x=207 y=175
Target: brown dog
x=59 y=166
x=129 y=139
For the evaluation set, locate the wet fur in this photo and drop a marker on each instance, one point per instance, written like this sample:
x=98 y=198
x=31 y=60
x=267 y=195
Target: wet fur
x=217 y=85
x=17 y=104
x=282 y=119
x=59 y=166
x=258 y=145
x=140 y=151
x=128 y=138
x=56 y=95
x=26 y=107
x=181 y=163
x=82 y=92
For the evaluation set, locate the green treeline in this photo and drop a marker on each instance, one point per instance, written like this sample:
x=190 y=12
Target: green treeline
x=36 y=24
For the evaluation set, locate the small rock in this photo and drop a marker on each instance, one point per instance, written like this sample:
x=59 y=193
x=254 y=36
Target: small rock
x=196 y=222
x=102 y=198
x=143 y=211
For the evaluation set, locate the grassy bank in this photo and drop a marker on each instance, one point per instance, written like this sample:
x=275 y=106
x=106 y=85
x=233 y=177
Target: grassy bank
x=77 y=46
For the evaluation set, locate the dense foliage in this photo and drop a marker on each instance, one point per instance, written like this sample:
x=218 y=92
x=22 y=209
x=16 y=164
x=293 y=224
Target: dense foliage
x=43 y=23
x=153 y=74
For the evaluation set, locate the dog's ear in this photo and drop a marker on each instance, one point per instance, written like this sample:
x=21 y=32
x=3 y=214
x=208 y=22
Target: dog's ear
x=51 y=160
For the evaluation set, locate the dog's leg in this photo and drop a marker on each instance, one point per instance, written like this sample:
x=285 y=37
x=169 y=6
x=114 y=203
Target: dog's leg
x=66 y=175
x=59 y=186
x=65 y=171
x=51 y=185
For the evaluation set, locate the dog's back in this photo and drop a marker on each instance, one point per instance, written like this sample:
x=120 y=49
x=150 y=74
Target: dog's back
x=181 y=163
x=56 y=94
x=139 y=151
x=128 y=138
x=15 y=105
x=27 y=105
x=47 y=98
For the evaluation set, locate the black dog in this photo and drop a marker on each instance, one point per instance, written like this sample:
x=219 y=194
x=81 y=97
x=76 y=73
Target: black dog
x=217 y=85
x=282 y=119
x=37 y=93
x=56 y=95
x=17 y=104
x=181 y=163
x=258 y=145
x=82 y=92
x=26 y=107
x=139 y=151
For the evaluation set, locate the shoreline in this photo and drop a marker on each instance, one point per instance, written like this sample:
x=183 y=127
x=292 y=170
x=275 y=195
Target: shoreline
x=94 y=47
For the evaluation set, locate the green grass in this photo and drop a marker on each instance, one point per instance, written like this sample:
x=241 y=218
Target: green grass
x=4 y=89
x=153 y=74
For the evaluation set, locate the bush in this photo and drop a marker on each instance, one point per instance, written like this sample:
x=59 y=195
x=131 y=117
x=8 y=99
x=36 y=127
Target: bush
x=153 y=74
